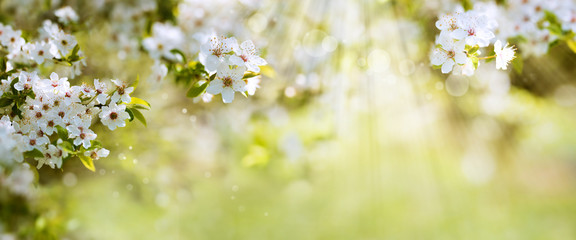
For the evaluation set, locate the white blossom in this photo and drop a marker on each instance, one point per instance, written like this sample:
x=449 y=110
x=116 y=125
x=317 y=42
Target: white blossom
x=114 y=116
x=228 y=80
x=504 y=55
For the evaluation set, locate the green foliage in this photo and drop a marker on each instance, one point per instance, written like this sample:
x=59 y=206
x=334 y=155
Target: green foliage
x=130 y=113
x=473 y=50
x=62 y=132
x=467 y=4
x=179 y=53
x=139 y=101
x=87 y=162
x=136 y=82
x=196 y=90
x=134 y=113
x=475 y=62
x=518 y=64
x=187 y=74
x=35 y=153
x=268 y=71
x=4 y=102
x=68 y=147
x=138 y=115
x=250 y=75
x=572 y=45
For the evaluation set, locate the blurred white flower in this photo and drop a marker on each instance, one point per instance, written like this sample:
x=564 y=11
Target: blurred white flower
x=165 y=37
x=473 y=28
x=504 y=55
x=20 y=180
x=64 y=44
x=248 y=56
x=66 y=15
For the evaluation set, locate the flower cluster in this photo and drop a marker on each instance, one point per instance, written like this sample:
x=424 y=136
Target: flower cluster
x=48 y=119
x=54 y=46
x=462 y=36
x=537 y=24
x=52 y=120
x=225 y=66
x=230 y=62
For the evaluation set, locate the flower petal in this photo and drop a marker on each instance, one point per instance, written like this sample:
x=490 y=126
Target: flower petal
x=215 y=87
x=460 y=58
x=227 y=95
x=447 y=66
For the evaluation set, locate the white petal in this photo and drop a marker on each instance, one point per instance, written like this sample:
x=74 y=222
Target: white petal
x=248 y=46
x=459 y=34
x=497 y=46
x=215 y=87
x=252 y=67
x=227 y=95
x=229 y=44
x=447 y=66
x=484 y=34
x=460 y=58
x=239 y=86
x=237 y=73
x=212 y=63
x=235 y=60
x=54 y=76
x=258 y=61
x=438 y=57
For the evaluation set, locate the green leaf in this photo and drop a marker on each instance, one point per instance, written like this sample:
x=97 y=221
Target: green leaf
x=4 y=102
x=130 y=113
x=73 y=57
x=555 y=29
x=212 y=76
x=138 y=115
x=467 y=4
x=135 y=100
x=475 y=62
x=140 y=107
x=178 y=52
x=68 y=147
x=473 y=50
x=87 y=161
x=572 y=45
x=195 y=90
x=551 y=17
x=62 y=132
x=518 y=64
x=3 y=64
x=268 y=71
x=34 y=154
x=554 y=43
x=250 y=75
x=95 y=144
x=135 y=84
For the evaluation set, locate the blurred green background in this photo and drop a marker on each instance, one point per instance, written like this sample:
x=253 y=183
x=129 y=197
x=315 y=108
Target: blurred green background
x=356 y=137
